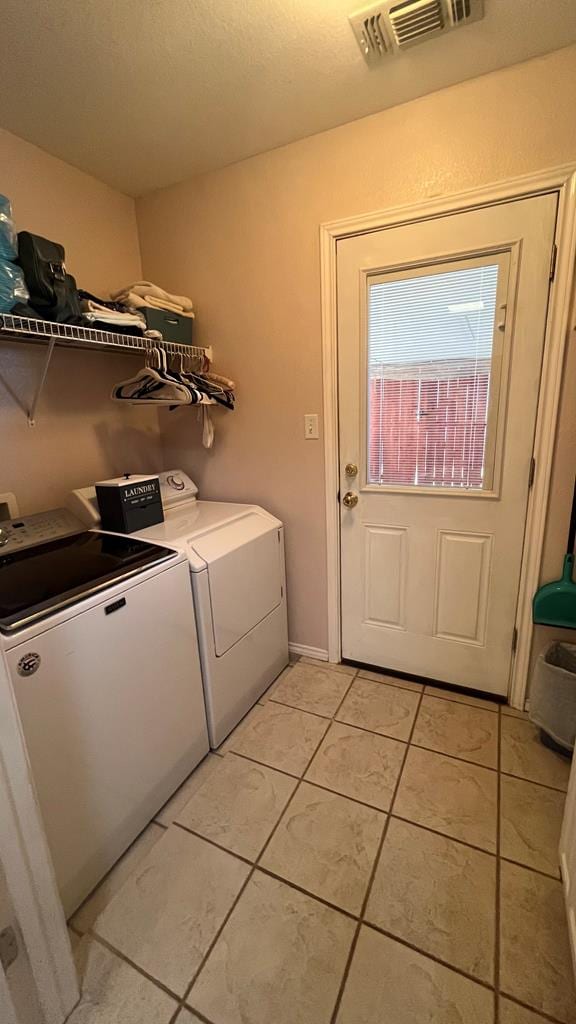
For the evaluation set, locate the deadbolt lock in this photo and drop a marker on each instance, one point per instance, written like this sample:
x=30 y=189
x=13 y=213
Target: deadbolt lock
x=350 y=500
x=351 y=469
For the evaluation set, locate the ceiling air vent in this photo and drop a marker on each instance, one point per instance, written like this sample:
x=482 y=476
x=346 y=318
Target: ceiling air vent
x=368 y=27
x=391 y=26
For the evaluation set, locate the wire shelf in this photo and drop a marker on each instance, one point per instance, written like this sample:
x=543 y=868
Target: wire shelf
x=23 y=328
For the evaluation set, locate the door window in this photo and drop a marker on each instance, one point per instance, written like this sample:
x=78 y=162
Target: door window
x=434 y=366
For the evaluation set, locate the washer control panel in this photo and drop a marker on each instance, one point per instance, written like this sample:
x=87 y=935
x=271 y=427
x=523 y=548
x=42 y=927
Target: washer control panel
x=17 y=534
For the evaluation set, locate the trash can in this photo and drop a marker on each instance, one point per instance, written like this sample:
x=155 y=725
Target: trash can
x=553 y=696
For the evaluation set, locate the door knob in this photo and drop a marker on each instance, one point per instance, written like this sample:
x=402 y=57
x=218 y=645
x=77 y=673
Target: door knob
x=350 y=500
x=351 y=469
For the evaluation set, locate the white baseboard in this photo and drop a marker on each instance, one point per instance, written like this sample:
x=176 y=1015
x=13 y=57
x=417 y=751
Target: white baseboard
x=308 y=652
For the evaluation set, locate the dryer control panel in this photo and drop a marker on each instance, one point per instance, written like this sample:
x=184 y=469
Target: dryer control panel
x=16 y=534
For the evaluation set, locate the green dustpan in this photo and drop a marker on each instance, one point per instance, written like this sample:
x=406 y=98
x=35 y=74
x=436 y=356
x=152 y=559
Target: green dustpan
x=554 y=604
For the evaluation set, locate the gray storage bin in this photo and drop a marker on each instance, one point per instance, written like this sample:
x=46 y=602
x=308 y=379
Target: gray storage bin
x=553 y=694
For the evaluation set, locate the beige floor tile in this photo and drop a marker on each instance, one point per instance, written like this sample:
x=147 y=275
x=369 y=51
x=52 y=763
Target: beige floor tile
x=358 y=764
x=169 y=812
x=511 y=1013
x=449 y=796
x=524 y=755
x=84 y=918
x=438 y=895
x=535 y=964
x=280 y=737
x=382 y=677
x=186 y=1017
x=274 y=686
x=388 y=710
x=114 y=993
x=461 y=698
x=348 y=670
x=169 y=910
x=327 y=844
x=238 y=805
x=280 y=958
x=458 y=729
x=315 y=688
x=244 y=724
x=531 y=820
x=389 y=982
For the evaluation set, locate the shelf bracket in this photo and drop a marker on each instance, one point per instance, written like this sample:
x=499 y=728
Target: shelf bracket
x=41 y=383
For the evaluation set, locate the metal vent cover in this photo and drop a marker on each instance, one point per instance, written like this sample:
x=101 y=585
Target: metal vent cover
x=392 y=26
x=413 y=19
x=368 y=27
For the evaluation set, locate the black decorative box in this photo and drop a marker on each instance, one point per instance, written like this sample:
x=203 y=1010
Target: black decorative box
x=129 y=503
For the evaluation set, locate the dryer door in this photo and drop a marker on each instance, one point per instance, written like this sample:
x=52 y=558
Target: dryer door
x=245 y=572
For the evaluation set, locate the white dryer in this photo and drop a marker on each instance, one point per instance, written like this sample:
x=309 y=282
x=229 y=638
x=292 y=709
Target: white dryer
x=236 y=556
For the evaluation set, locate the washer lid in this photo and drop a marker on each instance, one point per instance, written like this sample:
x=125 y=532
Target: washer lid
x=36 y=581
x=244 y=559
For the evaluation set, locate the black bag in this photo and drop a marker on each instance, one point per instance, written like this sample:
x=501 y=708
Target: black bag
x=53 y=293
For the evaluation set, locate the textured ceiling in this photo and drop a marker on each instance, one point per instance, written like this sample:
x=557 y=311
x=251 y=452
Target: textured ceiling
x=144 y=93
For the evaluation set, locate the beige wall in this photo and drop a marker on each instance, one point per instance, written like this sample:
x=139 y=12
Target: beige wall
x=81 y=436
x=244 y=242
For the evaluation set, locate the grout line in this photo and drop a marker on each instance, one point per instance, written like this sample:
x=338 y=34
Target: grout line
x=132 y=963
x=429 y=956
x=373 y=874
x=493 y=709
x=535 y=871
x=543 y=785
x=373 y=732
x=197 y=1013
x=264 y=764
x=303 y=711
x=295 y=707
x=307 y=892
x=537 y=1013
x=497 y=894
x=219 y=931
x=454 y=757
x=248 y=879
x=348 y=688
x=445 y=835
x=206 y=839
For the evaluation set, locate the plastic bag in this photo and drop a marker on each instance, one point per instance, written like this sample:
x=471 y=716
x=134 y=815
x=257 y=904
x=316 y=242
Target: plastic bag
x=8 y=243
x=12 y=286
x=553 y=693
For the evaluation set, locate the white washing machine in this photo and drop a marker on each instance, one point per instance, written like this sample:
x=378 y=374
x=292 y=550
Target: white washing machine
x=97 y=633
x=236 y=557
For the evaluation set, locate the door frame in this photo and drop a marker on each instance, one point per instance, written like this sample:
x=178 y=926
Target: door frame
x=561 y=180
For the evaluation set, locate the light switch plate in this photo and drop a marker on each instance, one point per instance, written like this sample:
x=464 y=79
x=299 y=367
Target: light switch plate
x=311 y=426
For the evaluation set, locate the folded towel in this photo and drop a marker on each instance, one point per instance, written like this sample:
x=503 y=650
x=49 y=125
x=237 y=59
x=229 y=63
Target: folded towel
x=146 y=288
x=95 y=311
x=150 y=301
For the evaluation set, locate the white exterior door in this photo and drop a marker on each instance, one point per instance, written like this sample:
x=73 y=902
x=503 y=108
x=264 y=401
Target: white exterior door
x=441 y=329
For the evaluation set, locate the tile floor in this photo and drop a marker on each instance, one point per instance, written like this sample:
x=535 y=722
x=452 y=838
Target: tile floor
x=361 y=850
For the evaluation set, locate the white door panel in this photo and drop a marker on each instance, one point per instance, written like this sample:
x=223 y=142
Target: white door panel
x=441 y=329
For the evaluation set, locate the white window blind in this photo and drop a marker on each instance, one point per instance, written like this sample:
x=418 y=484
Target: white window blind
x=430 y=347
